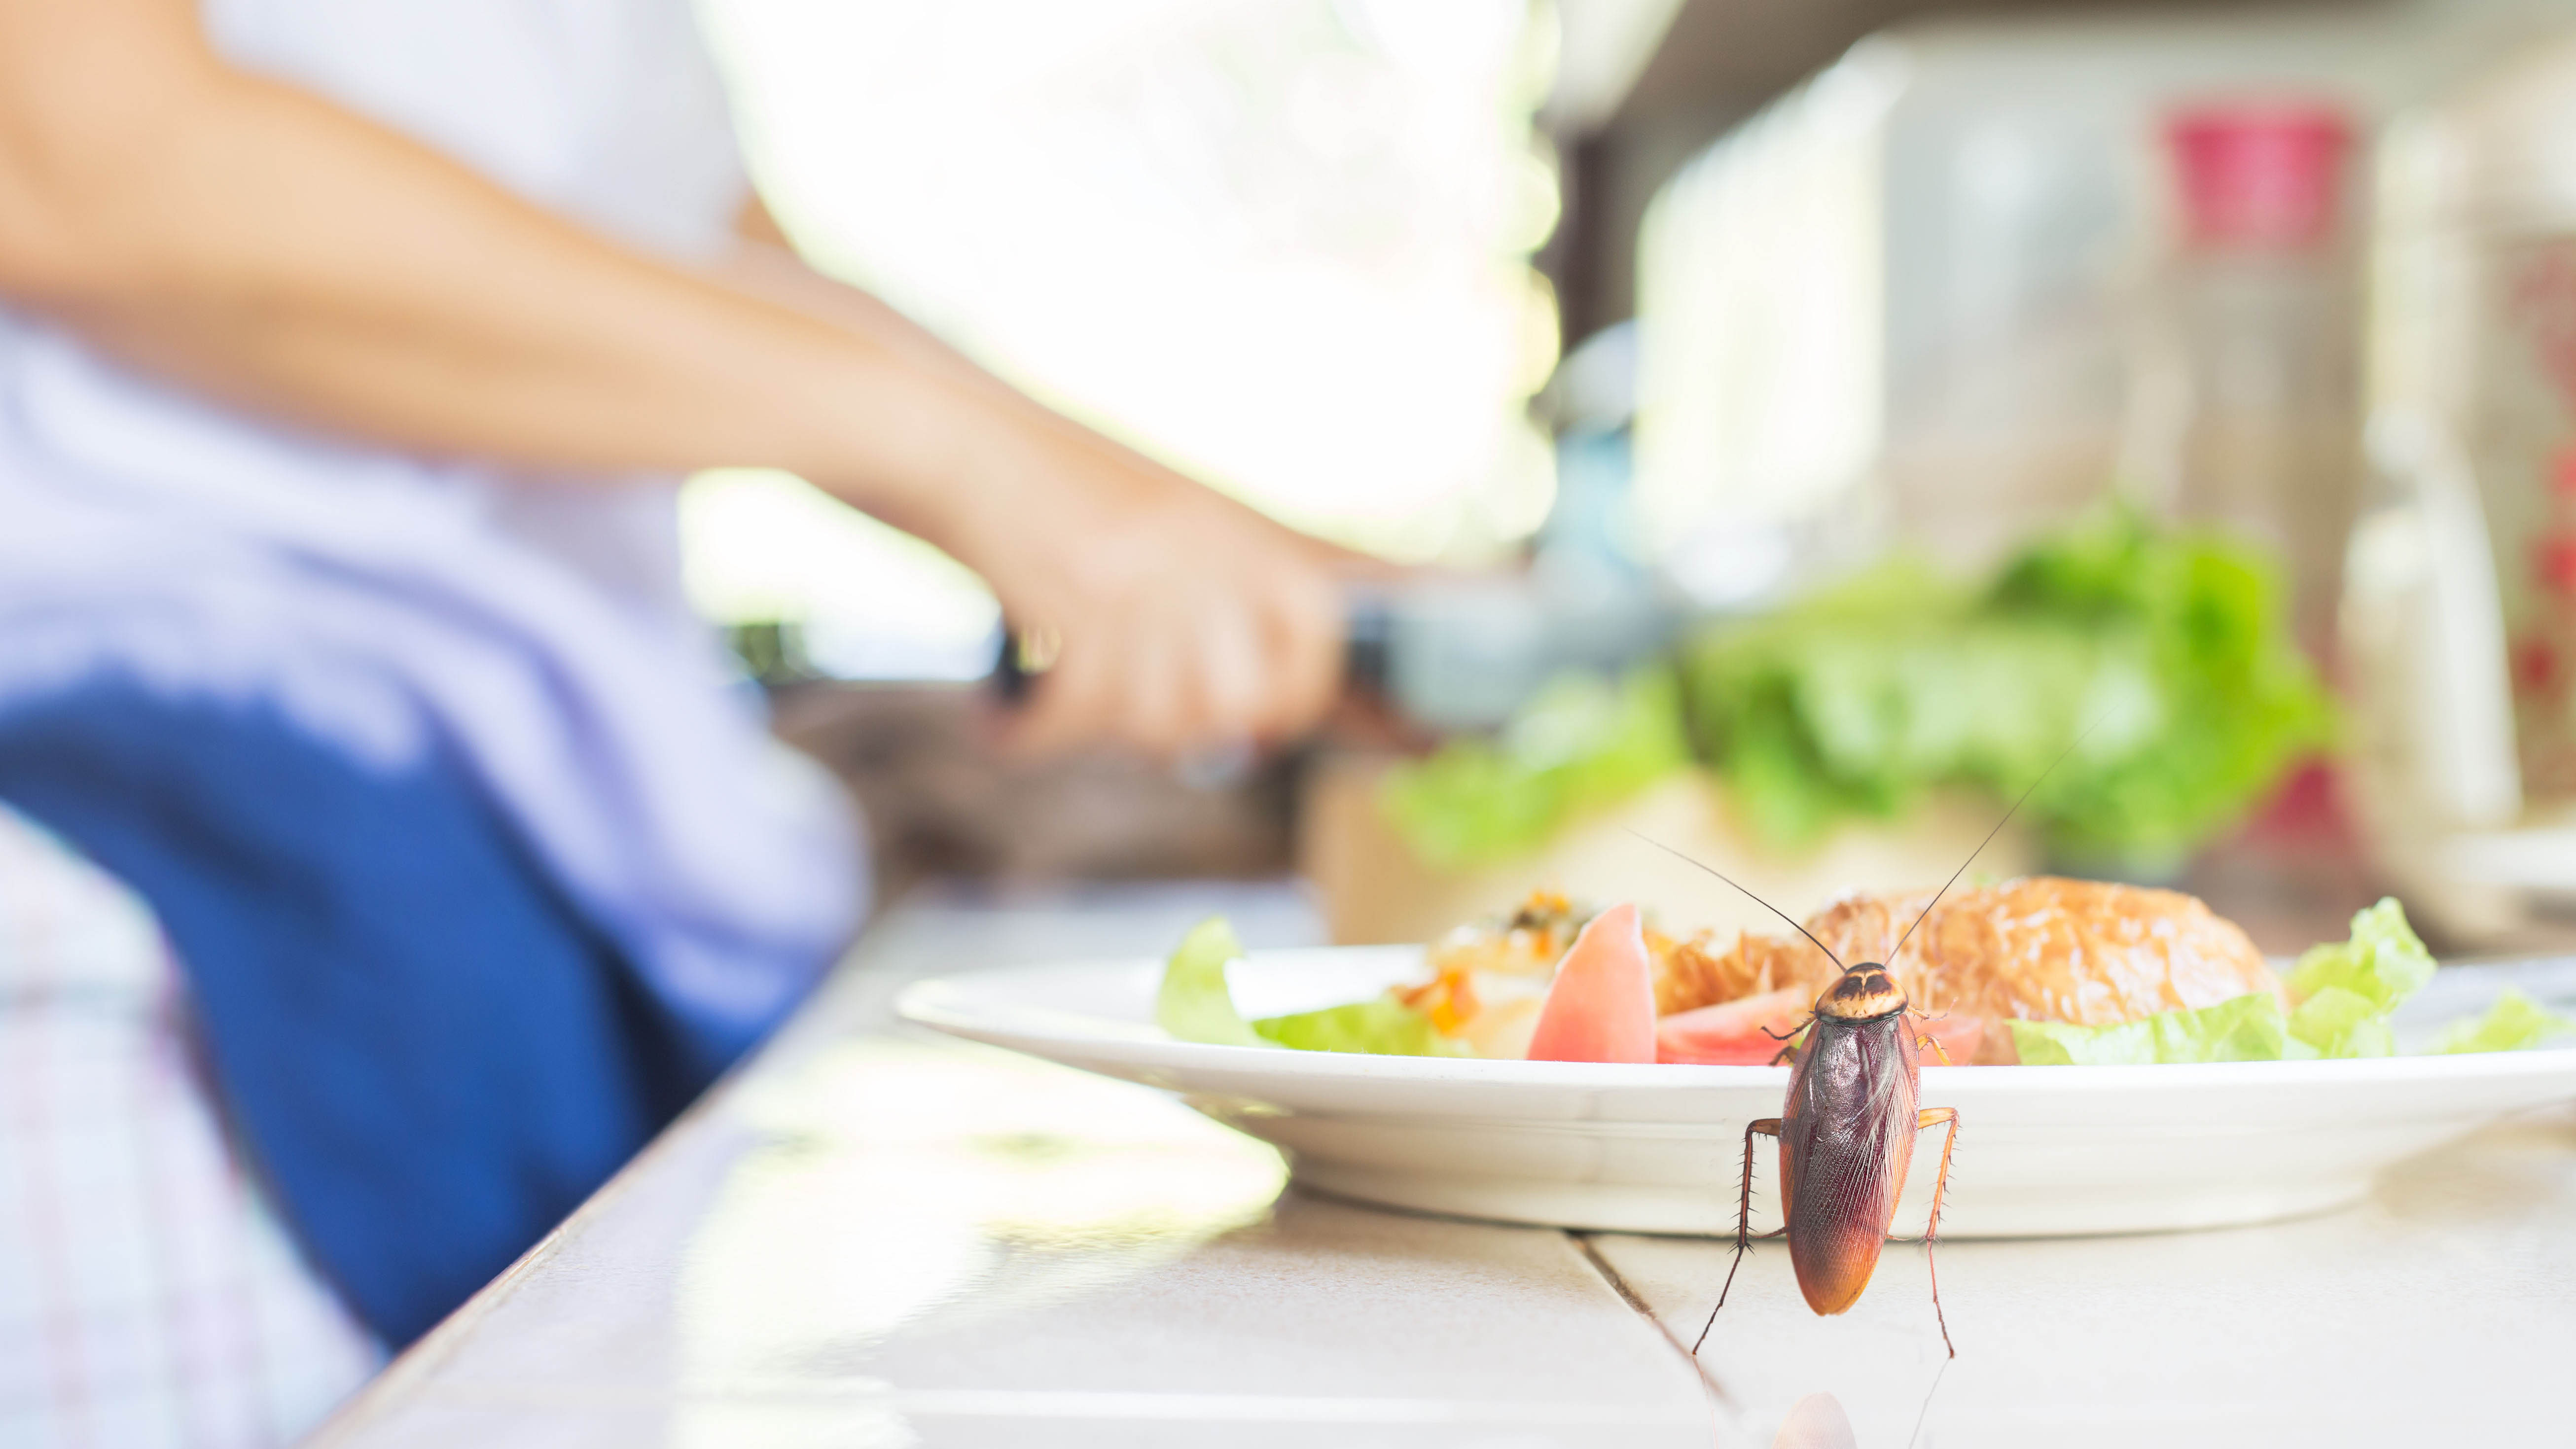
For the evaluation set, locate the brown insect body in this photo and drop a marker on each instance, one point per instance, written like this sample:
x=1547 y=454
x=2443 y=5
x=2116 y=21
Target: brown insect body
x=1846 y=1141
x=1847 y=1129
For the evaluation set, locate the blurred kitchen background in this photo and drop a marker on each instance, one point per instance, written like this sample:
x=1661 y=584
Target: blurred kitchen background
x=1815 y=418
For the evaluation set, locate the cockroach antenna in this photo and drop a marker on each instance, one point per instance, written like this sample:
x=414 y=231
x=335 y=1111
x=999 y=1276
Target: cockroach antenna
x=1989 y=840
x=1757 y=900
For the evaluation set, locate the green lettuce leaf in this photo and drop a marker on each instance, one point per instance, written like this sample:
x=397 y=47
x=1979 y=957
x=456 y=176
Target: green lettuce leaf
x=2247 y=1028
x=2515 y=1023
x=1582 y=743
x=1193 y=1003
x=2340 y=1023
x=1383 y=1026
x=2345 y=991
x=1857 y=700
x=2384 y=962
x=2173 y=646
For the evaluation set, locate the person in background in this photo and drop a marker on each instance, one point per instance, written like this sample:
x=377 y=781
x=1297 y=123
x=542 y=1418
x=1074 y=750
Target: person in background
x=384 y=854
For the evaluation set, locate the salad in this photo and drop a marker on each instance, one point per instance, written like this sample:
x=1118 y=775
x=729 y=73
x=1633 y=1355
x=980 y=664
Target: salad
x=2035 y=971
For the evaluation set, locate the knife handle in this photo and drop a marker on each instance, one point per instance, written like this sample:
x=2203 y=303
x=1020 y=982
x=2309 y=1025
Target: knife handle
x=1013 y=677
x=1366 y=631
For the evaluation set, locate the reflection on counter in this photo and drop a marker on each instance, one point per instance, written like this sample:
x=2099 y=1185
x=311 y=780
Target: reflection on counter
x=906 y=1186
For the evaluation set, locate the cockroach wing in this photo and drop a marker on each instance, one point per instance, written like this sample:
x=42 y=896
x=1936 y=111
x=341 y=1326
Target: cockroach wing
x=1846 y=1140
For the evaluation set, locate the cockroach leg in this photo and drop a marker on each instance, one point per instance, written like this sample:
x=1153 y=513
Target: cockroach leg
x=1932 y=1117
x=1768 y=1127
x=1789 y=1043
x=1938 y=1050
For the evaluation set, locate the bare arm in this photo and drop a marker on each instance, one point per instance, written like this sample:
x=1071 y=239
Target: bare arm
x=766 y=265
x=269 y=248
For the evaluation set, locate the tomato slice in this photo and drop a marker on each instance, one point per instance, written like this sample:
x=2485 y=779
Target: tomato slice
x=1601 y=1006
x=1739 y=1033
x=1731 y=1033
x=1962 y=1037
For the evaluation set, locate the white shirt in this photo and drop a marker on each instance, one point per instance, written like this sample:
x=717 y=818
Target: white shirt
x=389 y=606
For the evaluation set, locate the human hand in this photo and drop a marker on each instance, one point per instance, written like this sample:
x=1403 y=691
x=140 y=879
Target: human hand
x=1179 y=620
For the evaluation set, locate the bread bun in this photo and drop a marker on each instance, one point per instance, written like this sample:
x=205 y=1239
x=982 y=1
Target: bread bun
x=2044 y=948
x=2041 y=948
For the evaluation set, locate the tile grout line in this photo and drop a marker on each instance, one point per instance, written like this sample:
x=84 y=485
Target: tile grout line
x=1583 y=1244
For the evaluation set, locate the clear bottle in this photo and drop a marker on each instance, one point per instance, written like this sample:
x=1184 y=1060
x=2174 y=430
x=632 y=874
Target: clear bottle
x=2245 y=404
x=2460 y=609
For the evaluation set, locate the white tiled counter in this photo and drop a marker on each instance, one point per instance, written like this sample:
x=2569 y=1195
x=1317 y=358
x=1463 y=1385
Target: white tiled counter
x=871 y=1237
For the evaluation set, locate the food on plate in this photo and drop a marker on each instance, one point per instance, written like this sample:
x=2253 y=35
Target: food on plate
x=1696 y=972
x=1748 y=1032
x=1601 y=1006
x=2042 y=948
x=2336 y=1003
x=2514 y=1023
x=2050 y=949
x=2036 y=949
x=1193 y=1004
x=1529 y=942
x=2036 y=971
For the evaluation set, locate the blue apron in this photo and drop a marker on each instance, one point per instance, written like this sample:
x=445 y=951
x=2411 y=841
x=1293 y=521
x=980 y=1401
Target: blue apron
x=424 y=1051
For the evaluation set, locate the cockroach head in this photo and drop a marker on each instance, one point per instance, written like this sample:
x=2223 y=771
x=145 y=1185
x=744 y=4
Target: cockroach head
x=1864 y=992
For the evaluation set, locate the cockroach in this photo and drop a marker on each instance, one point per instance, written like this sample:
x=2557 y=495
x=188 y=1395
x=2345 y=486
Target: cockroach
x=1847 y=1129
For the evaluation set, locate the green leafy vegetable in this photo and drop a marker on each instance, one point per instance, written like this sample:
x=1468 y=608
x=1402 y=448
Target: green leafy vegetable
x=2515 y=1023
x=2247 y=1028
x=1584 y=742
x=1857 y=700
x=2172 y=646
x=1382 y=1025
x=2340 y=1023
x=2384 y=962
x=2345 y=992
x=1194 y=1004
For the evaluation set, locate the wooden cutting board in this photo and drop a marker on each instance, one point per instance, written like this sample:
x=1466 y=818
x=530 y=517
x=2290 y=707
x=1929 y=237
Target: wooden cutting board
x=1374 y=889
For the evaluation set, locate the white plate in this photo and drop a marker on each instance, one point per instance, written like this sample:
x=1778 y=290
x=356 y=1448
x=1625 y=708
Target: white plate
x=2042 y=1150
